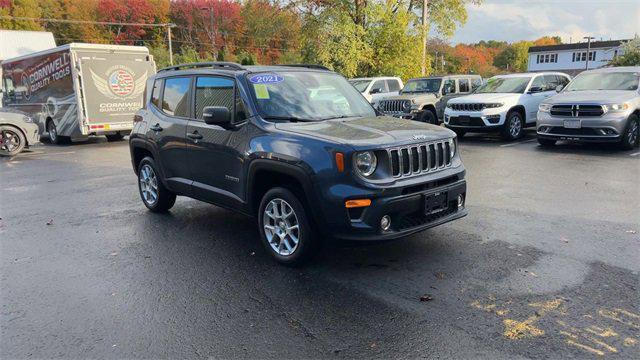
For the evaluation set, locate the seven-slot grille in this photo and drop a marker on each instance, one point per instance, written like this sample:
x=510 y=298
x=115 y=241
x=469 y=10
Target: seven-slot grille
x=394 y=105
x=420 y=158
x=467 y=107
x=569 y=110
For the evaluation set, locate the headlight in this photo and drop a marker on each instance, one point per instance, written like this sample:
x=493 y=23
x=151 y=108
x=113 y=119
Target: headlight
x=493 y=105
x=406 y=106
x=617 y=107
x=27 y=119
x=366 y=163
x=448 y=105
x=544 y=107
x=452 y=148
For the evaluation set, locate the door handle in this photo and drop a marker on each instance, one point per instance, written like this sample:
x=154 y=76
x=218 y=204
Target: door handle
x=156 y=127
x=194 y=135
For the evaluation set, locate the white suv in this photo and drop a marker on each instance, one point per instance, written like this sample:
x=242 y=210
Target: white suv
x=505 y=104
x=375 y=89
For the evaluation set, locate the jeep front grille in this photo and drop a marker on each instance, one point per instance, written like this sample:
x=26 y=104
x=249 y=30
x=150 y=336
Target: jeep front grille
x=395 y=106
x=467 y=107
x=574 y=110
x=420 y=158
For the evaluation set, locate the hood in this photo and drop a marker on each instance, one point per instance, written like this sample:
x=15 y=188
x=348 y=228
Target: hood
x=370 y=132
x=483 y=98
x=593 y=96
x=418 y=97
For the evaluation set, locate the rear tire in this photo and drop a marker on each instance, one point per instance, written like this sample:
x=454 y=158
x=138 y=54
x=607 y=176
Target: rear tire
x=155 y=196
x=631 y=135
x=12 y=141
x=283 y=219
x=546 y=142
x=513 y=126
x=114 y=137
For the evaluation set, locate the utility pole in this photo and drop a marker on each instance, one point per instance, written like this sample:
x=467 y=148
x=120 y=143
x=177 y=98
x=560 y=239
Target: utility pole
x=169 y=26
x=588 y=38
x=213 y=31
x=424 y=36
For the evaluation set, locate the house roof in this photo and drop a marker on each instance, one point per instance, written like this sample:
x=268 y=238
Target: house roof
x=577 y=46
x=14 y=43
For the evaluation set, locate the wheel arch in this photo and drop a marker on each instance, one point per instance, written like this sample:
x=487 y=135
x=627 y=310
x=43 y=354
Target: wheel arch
x=521 y=110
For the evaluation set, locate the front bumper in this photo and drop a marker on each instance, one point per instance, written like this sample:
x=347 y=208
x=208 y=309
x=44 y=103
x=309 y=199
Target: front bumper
x=31 y=133
x=607 y=128
x=486 y=120
x=407 y=209
x=403 y=115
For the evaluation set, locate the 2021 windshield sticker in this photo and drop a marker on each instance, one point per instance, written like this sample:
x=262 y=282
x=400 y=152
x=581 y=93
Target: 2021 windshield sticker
x=266 y=79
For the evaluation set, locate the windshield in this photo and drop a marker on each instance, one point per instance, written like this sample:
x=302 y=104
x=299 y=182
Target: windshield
x=360 y=85
x=422 y=85
x=515 y=85
x=307 y=96
x=604 y=81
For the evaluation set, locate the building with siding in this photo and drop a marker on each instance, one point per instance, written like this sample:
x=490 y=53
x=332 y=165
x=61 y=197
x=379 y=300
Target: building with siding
x=572 y=58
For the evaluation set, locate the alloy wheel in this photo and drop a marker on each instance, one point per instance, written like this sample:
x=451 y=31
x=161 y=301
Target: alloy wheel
x=515 y=126
x=632 y=135
x=148 y=184
x=9 y=141
x=281 y=227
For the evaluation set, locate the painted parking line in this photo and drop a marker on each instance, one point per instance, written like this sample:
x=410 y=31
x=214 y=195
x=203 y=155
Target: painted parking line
x=635 y=154
x=518 y=143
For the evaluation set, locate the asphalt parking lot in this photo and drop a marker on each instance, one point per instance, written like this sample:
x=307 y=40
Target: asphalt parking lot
x=546 y=265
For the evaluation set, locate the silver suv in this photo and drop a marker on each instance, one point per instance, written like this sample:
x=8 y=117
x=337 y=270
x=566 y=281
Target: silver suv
x=601 y=105
x=424 y=99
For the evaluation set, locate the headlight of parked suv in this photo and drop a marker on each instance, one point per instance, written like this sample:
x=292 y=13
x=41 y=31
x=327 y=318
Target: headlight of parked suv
x=27 y=119
x=452 y=147
x=544 y=107
x=493 y=105
x=365 y=163
x=617 y=107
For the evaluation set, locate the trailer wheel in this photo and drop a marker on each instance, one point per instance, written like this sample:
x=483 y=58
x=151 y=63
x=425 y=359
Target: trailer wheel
x=54 y=138
x=114 y=137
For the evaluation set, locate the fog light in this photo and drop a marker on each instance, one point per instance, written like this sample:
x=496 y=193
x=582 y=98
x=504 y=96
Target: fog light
x=460 y=201
x=385 y=223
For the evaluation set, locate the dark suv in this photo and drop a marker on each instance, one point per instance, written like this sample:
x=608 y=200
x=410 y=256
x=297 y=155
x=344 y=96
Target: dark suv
x=298 y=148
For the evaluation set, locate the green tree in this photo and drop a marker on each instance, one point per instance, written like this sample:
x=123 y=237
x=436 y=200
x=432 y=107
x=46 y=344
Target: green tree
x=20 y=8
x=630 y=54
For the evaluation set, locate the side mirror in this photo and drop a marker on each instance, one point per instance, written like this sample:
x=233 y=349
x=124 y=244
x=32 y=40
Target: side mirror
x=535 y=89
x=216 y=115
x=375 y=91
x=559 y=88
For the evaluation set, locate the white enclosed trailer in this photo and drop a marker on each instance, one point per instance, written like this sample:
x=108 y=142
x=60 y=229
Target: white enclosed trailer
x=77 y=90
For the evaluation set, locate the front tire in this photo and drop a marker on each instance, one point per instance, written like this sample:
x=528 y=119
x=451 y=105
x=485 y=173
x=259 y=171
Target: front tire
x=513 y=126
x=54 y=137
x=429 y=117
x=285 y=228
x=631 y=136
x=12 y=141
x=155 y=196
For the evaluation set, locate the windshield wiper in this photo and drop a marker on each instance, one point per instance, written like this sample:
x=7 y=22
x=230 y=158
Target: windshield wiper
x=285 y=118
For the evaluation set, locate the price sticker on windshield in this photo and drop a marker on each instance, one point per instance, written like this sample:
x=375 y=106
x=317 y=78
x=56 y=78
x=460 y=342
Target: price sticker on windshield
x=266 y=79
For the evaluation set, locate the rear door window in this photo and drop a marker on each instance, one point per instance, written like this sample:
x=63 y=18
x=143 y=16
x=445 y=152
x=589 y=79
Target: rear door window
x=175 y=97
x=464 y=86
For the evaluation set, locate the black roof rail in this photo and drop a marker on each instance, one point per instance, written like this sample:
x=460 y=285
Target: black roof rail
x=309 y=66
x=212 y=64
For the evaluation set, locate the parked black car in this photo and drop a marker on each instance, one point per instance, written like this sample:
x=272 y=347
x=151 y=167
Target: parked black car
x=298 y=148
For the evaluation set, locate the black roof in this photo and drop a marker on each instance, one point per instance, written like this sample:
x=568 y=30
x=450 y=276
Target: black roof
x=577 y=46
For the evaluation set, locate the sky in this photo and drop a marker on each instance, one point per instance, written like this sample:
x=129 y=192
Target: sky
x=530 y=19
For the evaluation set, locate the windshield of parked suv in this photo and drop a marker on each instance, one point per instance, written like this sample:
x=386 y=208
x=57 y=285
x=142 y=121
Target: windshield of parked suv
x=422 y=85
x=604 y=81
x=515 y=85
x=306 y=96
x=360 y=85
